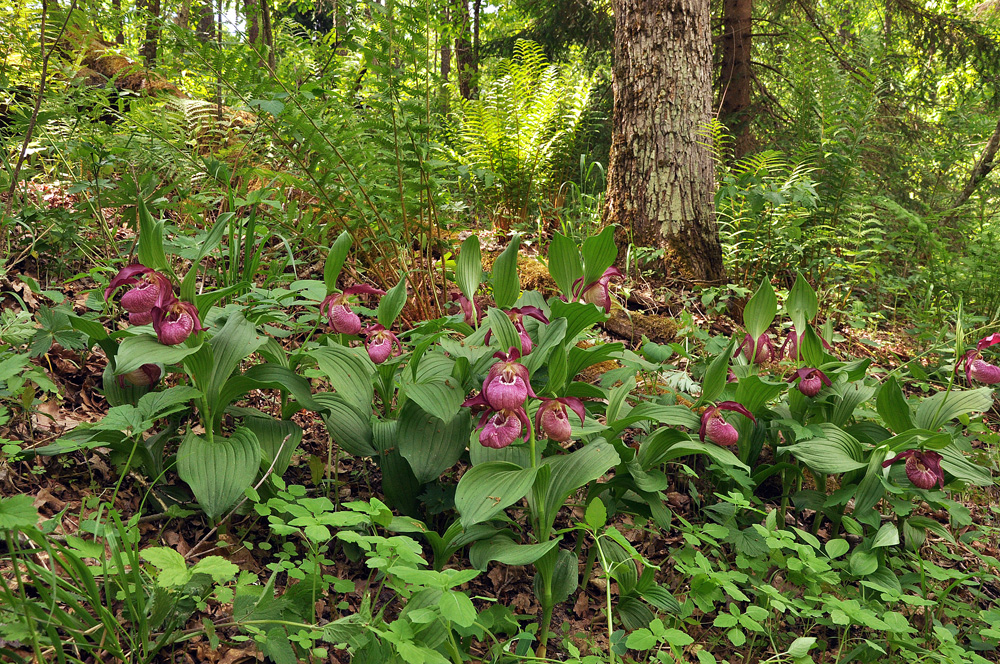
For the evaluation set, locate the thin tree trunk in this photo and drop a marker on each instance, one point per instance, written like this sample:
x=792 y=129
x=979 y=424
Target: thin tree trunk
x=660 y=181
x=206 y=23
x=736 y=78
x=252 y=12
x=119 y=36
x=267 y=32
x=149 y=46
x=476 y=12
x=982 y=168
x=445 y=40
x=463 y=49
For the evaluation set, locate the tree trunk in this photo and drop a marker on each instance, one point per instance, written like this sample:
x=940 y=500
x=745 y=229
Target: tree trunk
x=445 y=41
x=267 y=33
x=463 y=49
x=982 y=168
x=206 y=22
x=119 y=36
x=736 y=77
x=149 y=46
x=252 y=12
x=660 y=182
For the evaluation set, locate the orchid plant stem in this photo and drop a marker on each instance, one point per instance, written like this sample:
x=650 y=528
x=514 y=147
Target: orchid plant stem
x=820 y=486
x=607 y=596
x=545 y=592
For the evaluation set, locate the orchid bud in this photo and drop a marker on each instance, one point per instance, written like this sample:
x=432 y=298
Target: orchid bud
x=923 y=468
x=516 y=317
x=596 y=292
x=144 y=376
x=764 y=351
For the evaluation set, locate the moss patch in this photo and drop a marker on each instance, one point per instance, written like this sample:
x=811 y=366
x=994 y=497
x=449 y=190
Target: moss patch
x=633 y=325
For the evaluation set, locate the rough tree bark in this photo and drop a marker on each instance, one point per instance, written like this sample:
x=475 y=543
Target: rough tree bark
x=736 y=77
x=660 y=181
x=205 y=30
x=464 y=55
x=150 y=45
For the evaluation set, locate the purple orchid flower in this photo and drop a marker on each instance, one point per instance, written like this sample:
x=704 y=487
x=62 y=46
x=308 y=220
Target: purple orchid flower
x=147 y=285
x=596 y=292
x=174 y=321
x=791 y=343
x=923 y=468
x=977 y=369
x=144 y=376
x=380 y=342
x=764 y=351
x=516 y=316
x=507 y=384
x=553 y=420
x=811 y=381
x=502 y=427
x=473 y=312
x=715 y=428
x=338 y=310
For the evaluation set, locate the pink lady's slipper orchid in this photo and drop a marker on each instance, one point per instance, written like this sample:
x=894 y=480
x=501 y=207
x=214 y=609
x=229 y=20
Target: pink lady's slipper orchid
x=174 y=321
x=147 y=286
x=380 y=342
x=977 y=369
x=502 y=427
x=338 y=310
x=597 y=292
x=811 y=381
x=792 y=345
x=552 y=420
x=764 y=351
x=507 y=383
x=516 y=316
x=715 y=428
x=922 y=468
x=144 y=376
x=471 y=311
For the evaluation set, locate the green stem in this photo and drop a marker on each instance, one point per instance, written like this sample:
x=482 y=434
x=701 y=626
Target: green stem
x=607 y=596
x=543 y=635
x=818 y=519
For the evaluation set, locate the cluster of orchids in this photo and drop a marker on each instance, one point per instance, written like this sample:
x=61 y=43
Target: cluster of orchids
x=502 y=402
x=763 y=350
x=379 y=342
x=978 y=369
x=151 y=300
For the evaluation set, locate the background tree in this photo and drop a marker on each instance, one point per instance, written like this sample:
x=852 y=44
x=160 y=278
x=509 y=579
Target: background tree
x=660 y=179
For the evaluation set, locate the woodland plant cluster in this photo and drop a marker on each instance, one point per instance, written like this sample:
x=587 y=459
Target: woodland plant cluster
x=822 y=473
x=301 y=355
